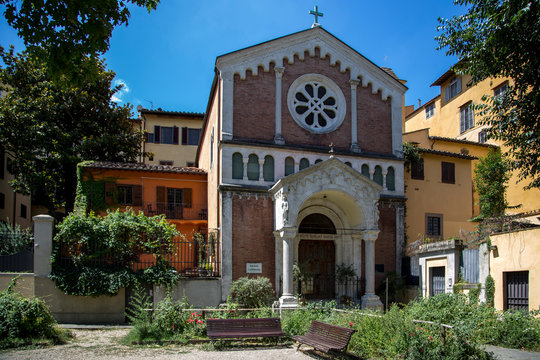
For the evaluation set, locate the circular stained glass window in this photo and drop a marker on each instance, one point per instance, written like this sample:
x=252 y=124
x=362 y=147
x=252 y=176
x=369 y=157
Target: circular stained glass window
x=316 y=103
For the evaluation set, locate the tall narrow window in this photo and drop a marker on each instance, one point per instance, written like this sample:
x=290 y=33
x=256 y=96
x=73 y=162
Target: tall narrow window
x=391 y=179
x=500 y=91
x=448 y=172
x=430 y=110
x=304 y=163
x=268 y=168
x=253 y=167
x=434 y=225
x=289 y=166
x=377 y=175
x=482 y=136
x=466 y=117
x=237 y=166
x=452 y=89
x=125 y=195
x=190 y=136
x=365 y=170
x=417 y=169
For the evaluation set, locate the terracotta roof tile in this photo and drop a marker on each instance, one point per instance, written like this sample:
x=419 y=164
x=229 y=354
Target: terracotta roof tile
x=447 y=153
x=143 y=167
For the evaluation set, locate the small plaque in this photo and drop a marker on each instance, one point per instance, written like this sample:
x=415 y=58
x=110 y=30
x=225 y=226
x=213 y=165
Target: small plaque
x=254 y=268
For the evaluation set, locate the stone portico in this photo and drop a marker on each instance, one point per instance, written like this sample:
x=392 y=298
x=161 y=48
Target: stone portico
x=344 y=196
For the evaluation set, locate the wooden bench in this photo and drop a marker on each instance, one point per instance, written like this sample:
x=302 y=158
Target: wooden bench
x=325 y=337
x=243 y=328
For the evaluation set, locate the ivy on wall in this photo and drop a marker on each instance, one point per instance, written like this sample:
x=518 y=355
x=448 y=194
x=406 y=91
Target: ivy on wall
x=91 y=193
x=93 y=255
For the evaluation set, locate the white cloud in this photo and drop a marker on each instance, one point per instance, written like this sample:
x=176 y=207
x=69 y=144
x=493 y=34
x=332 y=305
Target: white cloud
x=119 y=96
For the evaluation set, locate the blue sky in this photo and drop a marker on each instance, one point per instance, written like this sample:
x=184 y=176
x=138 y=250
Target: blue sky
x=166 y=58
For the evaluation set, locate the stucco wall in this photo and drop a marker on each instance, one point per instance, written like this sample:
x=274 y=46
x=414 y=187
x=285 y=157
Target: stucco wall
x=201 y=293
x=516 y=251
x=24 y=284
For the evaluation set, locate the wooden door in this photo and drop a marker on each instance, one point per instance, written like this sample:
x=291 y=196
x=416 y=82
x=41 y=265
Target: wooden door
x=319 y=257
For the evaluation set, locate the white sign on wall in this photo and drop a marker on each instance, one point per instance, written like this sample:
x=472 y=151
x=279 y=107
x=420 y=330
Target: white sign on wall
x=254 y=268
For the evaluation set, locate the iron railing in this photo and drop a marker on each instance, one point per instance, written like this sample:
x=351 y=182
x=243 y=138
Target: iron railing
x=330 y=287
x=176 y=211
x=16 y=252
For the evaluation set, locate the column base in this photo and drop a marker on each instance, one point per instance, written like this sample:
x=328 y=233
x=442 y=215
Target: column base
x=288 y=301
x=372 y=302
x=278 y=139
x=355 y=148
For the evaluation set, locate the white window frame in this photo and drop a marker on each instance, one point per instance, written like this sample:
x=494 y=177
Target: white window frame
x=430 y=110
x=466 y=117
x=453 y=88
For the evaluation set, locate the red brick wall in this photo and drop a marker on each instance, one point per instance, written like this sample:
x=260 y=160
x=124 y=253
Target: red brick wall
x=254 y=114
x=385 y=246
x=252 y=235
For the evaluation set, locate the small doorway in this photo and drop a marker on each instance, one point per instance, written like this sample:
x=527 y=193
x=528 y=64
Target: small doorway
x=317 y=258
x=437 y=276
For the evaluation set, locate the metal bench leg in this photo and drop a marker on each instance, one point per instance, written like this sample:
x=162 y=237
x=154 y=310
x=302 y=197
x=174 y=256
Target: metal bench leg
x=298 y=347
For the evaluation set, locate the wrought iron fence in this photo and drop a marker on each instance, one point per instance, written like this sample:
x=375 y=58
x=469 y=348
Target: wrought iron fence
x=194 y=256
x=176 y=211
x=17 y=252
x=329 y=287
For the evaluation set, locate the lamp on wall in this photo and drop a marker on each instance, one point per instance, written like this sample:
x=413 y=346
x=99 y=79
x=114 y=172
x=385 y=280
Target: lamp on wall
x=449 y=282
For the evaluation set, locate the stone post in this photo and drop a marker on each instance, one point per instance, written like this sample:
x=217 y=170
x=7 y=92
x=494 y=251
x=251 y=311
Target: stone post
x=287 y=298
x=245 y=161
x=370 y=300
x=43 y=236
x=278 y=138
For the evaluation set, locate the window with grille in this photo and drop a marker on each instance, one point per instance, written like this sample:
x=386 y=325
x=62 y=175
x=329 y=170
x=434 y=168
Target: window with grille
x=434 y=225
x=466 y=117
x=499 y=92
x=448 y=172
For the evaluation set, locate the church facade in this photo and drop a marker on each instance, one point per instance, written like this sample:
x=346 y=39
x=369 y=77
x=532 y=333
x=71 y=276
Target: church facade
x=302 y=145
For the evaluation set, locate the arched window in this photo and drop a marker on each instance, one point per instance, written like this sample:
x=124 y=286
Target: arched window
x=304 y=163
x=377 y=175
x=365 y=170
x=318 y=161
x=348 y=164
x=253 y=167
x=268 y=168
x=289 y=166
x=237 y=166
x=391 y=179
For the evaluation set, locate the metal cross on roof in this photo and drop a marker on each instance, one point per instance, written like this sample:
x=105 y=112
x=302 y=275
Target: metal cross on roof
x=316 y=13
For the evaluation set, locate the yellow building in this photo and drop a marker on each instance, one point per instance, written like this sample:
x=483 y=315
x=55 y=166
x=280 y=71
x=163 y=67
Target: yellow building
x=172 y=137
x=439 y=188
x=450 y=115
x=14 y=208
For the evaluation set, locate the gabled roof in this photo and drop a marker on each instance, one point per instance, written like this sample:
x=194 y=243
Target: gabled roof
x=109 y=165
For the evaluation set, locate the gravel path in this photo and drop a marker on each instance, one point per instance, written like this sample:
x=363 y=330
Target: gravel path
x=104 y=344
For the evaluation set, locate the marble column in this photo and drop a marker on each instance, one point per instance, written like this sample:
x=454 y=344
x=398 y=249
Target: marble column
x=261 y=169
x=245 y=161
x=278 y=138
x=370 y=300
x=354 y=117
x=287 y=298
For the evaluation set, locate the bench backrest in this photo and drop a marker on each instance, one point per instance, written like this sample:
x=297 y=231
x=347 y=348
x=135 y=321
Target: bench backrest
x=337 y=336
x=261 y=324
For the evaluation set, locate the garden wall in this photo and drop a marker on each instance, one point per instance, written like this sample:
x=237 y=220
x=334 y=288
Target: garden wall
x=201 y=293
x=24 y=285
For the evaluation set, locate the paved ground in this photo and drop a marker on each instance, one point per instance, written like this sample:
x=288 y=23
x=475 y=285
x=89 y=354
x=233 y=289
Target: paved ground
x=91 y=342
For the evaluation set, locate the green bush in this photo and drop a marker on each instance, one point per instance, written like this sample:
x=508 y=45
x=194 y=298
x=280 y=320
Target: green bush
x=490 y=291
x=99 y=251
x=297 y=322
x=23 y=321
x=252 y=293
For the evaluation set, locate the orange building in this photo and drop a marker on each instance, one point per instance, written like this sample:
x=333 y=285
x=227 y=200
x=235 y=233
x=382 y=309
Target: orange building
x=179 y=193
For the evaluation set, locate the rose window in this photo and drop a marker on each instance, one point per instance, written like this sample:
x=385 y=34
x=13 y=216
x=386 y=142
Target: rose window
x=316 y=103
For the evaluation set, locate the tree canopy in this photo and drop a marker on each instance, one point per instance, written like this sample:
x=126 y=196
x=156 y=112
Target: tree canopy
x=49 y=128
x=501 y=38
x=65 y=32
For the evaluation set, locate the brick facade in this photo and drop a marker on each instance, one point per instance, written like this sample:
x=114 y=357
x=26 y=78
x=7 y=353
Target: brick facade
x=385 y=246
x=252 y=235
x=254 y=109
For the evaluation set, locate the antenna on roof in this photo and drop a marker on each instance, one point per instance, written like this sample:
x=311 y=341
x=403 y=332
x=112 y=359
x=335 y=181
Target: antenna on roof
x=150 y=102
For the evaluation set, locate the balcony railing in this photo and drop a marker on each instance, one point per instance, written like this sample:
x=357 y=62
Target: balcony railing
x=177 y=211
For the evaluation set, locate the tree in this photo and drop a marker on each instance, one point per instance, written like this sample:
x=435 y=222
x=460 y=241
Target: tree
x=490 y=178
x=48 y=128
x=502 y=38
x=65 y=32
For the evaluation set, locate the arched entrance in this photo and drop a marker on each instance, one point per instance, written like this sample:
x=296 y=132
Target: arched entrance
x=317 y=258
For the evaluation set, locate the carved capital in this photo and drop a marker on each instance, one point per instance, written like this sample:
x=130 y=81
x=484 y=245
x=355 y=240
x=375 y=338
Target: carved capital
x=354 y=83
x=279 y=71
x=370 y=235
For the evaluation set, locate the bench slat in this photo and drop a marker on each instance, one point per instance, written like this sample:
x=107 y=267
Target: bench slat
x=243 y=328
x=326 y=337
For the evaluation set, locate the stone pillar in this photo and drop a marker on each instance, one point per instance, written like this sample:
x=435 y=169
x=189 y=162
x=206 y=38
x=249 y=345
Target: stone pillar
x=43 y=236
x=357 y=253
x=384 y=173
x=400 y=236
x=370 y=300
x=278 y=138
x=354 y=117
x=227 y=101
x=226 y=244
x=287 y=298
x=261 y=168
x=245 y=161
